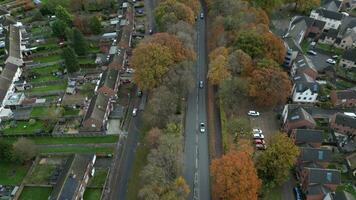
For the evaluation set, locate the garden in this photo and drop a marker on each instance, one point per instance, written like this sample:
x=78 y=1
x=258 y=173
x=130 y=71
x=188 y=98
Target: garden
x=35 y=193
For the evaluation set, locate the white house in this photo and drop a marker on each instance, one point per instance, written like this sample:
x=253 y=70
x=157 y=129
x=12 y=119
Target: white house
x=305 y=89
x=332 y=19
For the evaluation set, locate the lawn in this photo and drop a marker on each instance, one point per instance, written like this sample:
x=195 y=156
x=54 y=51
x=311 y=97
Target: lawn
x=92 y=194
x=41 y=174
x=46 y=59
x=68 y=111
x=106 y=150
x=12 y=173
x=23 y=127
x=38 y=111
x=330 y=48
x=35 y=193
x=75 y=140
x=46 y=70
x=99 y=178
x=48 y=88
x=85 y=61
x=45 y=79
x=343 y=85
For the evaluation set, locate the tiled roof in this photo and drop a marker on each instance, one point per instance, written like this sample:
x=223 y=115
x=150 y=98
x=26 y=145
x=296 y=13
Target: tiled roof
x=97 y=107
x=299 y=114
x=346 y=94
x=308 y=136
x=329 y=14
x=349 y=54
x=315 y=154
x=345 y=120
x=323 y=176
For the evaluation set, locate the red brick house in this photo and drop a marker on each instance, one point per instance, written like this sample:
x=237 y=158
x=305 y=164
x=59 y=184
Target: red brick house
x=313 y=158
x=307 y=137
x=317 y=182
x=297 y=118
x=343 y=124
x=343 y=98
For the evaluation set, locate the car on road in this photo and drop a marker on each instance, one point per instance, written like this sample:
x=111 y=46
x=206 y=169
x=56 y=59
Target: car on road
x=331 y=61
x=201 y=15
x=150 y=31
x=297 y=193
x=257 y=130
x=259 y=141
x=201 y=84
x=202 y=127
x=253 y=113
x=311 y=52
x=134 y=112
x=258 y=136
x=260 y=146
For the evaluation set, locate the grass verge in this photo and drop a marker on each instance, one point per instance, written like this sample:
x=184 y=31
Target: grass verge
x=92 y=194
x=105 y=150
x=35 y=193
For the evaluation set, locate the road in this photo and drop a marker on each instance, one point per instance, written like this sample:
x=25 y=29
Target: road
x=196 y=154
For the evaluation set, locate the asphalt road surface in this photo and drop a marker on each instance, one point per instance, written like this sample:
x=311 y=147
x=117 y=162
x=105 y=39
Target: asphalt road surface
x=196 y=154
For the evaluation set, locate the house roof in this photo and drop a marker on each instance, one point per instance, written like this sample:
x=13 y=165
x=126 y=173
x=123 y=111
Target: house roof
x=342 y=195
x=349 y=54
x=346 y=94
x=332 y=5
x=347 y=23
x=308 y=154
x=308 y=136
x=97 y=107
x=72 y=176
x=298 y=114
x=351 y=33
x=109 y=78
x=345 y=120
x=304 y=82
x=292 y=44
x=323 y=176
x=351 y=159
x=332 y=33
x=3 y=11
x=311 y=22
x=302 y=63
x=329 y=14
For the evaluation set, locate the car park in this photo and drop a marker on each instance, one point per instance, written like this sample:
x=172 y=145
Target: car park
x=311 y=52
x=258 y=136
x=253 y=113
x=202 y=127
x=257 y=130
x=331 y=61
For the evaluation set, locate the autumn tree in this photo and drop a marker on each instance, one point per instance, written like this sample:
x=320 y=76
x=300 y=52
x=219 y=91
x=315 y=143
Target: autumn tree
x=70 y=60
x=251 y=43
x=184 y=32
x=153 y=136
x=218 y=66
x=232 y=91
x=270 y=86
x=267 y=63
x=240 y=63
x=170 y=12
x=274 y=164
x=63 y=14
x=269 y=5
x=306 y=5
x=275 y=48
x=24 y=150
x=234 y=177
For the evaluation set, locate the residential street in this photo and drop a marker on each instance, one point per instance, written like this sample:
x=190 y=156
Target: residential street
x=196 y=143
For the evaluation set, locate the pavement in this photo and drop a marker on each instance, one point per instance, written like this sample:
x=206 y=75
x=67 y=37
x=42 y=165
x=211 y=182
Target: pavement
x=196 y=153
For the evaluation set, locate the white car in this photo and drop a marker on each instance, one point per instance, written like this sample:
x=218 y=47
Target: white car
x=134 y=112
x=331 y=61
x=253 y=113
x=257 y=130
x=258 y=136
x=202 y=127
x=201 y=15
x=311 y=52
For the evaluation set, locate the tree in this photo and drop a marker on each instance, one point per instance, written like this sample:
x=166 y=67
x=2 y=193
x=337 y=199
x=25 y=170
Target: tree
x=267 y=63
x=58 y=28
x=151 y=62
x=153 y=137
x=232 y=91
x=306 y=5
x=269 y=5
x=79 y=44
x=63 y=14
x=184 y=32
x=238 y=127
x=251 y=43
x=269 y=86
x=274 y=164
x=24 y=150
x=234 y=177
x=275 y=48
x=240 y=63
x=95 y=25
x=5 y=151
x=218 y=71
x=170 y=12
x=70 y=60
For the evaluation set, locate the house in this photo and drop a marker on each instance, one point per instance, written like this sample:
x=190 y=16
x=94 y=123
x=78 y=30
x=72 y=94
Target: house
x=305 y=89
x=307 y=137
x=317 y=182
x=297 y=118
x=97 y=114
x=348 y=40
x=343 y=98
x=349 y=4
x=21 y=85
x=351 y=163
x=293 y=49
x=74 y=177
x=348 y=59
x=332 y=19
x=339 y=195
x=313 y=158
x=329 y=37
x=303 y=65
x=343 y=123
x=332 y=5
x=298 y=28
x=15 y=99
x=109 y=83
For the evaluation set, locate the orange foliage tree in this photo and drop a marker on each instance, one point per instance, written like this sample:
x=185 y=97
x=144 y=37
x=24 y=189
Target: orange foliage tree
x=235 y=177
x=269 y=86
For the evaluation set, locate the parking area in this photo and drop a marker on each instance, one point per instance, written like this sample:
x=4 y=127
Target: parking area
x=319 y=60
x=267 y=122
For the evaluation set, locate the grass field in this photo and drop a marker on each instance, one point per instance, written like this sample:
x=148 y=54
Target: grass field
x=38 y=111
x=35 y=193
x=99 y=178
x=71 y=140
x=23 y=127
x=45 y=59
x=92 y=194
x=71 y=111
x=12 y=173
x=41 y=174
x=46 y=70
x=43 y=78
x=106 y=150
x=48 y=88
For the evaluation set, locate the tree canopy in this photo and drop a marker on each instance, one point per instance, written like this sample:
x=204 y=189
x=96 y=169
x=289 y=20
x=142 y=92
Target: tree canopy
x=78 y=43
x=24 y=150
x=70 y=60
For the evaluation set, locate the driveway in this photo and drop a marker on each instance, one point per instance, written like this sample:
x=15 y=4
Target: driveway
x=319 y=60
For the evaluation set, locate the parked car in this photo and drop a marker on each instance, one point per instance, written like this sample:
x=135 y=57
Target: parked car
x=201 y=84
x=134 y=112
x=257 y=130
x=297 y=193
x=201 y=15
x=260 y=146
x=311 y=52
x=258 y=136
x=253 y=113
x=331 y=61
x=335 y=56
x=202 y=127
x=259 y=141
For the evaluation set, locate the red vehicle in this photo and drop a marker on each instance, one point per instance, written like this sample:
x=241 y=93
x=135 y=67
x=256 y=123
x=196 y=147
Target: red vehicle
x=259 y=141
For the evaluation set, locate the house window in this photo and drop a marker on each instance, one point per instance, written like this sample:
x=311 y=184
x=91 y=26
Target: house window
x=299 y=97
x=310 y=98
x=304 y=98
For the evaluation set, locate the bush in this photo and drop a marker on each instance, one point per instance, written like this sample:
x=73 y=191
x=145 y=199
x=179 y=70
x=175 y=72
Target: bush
x=31 y=121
